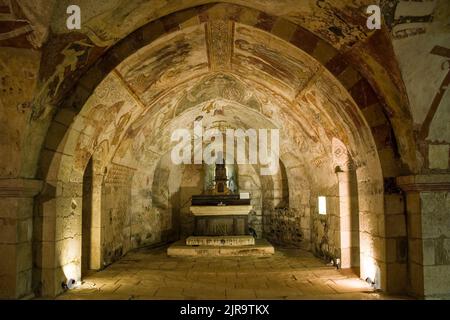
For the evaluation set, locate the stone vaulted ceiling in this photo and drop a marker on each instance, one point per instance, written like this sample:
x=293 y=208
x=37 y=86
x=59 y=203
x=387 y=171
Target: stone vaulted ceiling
x=220 y=71
x=332 y=32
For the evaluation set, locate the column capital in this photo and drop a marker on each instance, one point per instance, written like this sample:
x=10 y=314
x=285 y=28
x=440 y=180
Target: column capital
x=428 y=182
x=19 y=188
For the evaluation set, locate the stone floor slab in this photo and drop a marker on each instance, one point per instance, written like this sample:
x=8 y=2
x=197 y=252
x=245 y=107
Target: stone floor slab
x=288 y=274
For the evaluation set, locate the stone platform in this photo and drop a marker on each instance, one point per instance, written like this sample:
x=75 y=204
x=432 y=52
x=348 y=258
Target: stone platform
x=180 y=249
x=220 y=241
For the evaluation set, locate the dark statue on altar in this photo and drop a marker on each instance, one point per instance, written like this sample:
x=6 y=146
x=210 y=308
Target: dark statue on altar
x=220 y=191
x=221 y=179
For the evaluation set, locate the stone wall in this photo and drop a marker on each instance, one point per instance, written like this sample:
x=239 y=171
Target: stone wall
x=428 y=223
x=283 y=214
x=116 y=213
x=155 y=216
x=396 y=240
x=16 y=236
x=250 y=181
x=191 y=184
x=325 y=228
x=283 y=227
x=436 y=243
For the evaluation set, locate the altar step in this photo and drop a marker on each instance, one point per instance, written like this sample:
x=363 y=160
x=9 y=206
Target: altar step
x=220 y=241
x=180 y=249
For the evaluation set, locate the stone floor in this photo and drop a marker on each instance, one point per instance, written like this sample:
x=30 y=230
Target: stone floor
x=289 y=274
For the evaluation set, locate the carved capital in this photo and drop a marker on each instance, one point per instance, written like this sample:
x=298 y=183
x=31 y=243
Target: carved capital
x=418 y=183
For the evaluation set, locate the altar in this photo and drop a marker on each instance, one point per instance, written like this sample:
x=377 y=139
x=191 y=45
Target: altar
x=221 y=224
x=220 y=215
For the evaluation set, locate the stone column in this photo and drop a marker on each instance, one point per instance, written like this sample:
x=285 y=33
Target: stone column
x=97 y=229
x=396 y=237
x=428 y=223
x=16 y=233
x=348 y=219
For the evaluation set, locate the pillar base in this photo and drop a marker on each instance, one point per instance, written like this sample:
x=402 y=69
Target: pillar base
x=428 y=207
x=16 y=221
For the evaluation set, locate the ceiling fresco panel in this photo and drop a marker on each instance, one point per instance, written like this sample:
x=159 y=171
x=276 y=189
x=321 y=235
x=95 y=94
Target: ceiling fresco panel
x=173 y=60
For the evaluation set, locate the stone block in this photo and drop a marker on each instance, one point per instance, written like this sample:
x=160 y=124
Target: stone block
x=442 y=251
x=428 y=251
x=395 y=226
x=45 y=228
x=435 y=226
x=67 y=227
x=152 y=31
x=24 y=282
x=220 y=241
x=305 y=223
x=438 y=156
x=25 y=230
x=24 y=256
x=415 y=251
x=16 y=208
x=68 y=250
x=349 y=239
x=402 y=249
x=349 y=77
x=44 y=253
x=57 y=137
x=369 y=223
x=397 y=277
x=71 y=189
x=324 y=52
x=391 y=250
x=413 y=203
x=379 y=248
x=381 y=226
x=8 y=227
x=435 y=217
x=65 y=116
x=48 y=282
x=436 y=280
x=393 y=204
x=7 y=285
x=8 y=264
x=388 y=162
x=416 y=279
x=284 y=29
x=371 y=203
x=350 y=257
x=56 y=166
x=261 y=248
x=374 y=115
x=414 y=226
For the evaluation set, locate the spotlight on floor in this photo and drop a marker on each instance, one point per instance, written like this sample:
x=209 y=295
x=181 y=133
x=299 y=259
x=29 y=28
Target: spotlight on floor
x=370 y=281
x=70 y=284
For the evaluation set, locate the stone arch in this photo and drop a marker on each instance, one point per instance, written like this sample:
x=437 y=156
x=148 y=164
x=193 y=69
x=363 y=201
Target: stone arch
x=59 y=145
x=382 y=116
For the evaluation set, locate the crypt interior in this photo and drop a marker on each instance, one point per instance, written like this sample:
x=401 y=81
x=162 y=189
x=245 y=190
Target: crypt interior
x=93 y=207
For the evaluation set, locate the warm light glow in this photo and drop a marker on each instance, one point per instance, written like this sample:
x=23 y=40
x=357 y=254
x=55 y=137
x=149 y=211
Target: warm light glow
x=322 y=205
x=71 y=271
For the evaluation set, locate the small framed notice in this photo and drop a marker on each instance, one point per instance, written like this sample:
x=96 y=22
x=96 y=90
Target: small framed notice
x=244 y=195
